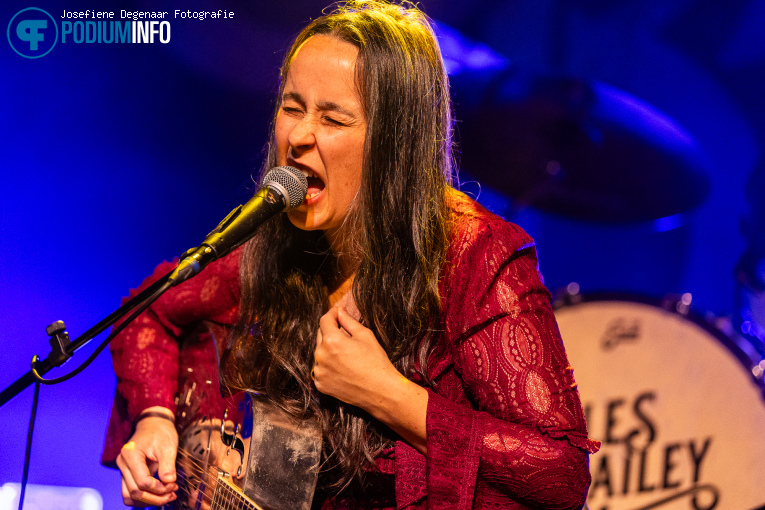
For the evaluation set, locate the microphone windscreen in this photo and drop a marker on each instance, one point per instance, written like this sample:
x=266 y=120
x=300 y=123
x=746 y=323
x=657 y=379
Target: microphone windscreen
x=290 y=182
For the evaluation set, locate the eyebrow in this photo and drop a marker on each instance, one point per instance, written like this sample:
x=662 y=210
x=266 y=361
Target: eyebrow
x=323 y=105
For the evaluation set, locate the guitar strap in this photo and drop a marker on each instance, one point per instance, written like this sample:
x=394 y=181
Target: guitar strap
x=284 y=458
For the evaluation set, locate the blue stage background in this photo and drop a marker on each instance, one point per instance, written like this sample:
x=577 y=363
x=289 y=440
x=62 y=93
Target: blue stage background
x=115 y=157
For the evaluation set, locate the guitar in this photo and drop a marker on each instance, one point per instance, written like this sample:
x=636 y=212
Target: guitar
x=203 y=456
x=282 y=466
x=275 y=460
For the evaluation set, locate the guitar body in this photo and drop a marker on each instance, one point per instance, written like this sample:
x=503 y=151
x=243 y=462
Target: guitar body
x=261 y=458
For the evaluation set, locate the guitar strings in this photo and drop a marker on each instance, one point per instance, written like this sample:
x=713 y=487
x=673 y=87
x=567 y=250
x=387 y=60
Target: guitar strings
x=218 y=490
x=194 y=479
x=197 y=466
x=196 y=476
x=196 y=472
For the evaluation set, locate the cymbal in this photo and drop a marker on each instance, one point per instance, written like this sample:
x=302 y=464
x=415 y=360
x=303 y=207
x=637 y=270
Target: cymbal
x=577 y=148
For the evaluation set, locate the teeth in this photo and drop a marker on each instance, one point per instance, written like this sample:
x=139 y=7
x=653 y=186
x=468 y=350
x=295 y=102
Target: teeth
x=307 y=173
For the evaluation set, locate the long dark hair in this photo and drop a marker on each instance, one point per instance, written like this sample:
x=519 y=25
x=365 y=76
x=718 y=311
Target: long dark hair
x=397 y=226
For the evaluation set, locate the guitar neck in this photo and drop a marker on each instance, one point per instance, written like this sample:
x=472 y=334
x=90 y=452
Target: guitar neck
x=228 y=496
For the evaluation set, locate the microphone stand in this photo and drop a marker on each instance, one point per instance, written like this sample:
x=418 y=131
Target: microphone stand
x=233 y=231
x=62 y=349
x=282 y=186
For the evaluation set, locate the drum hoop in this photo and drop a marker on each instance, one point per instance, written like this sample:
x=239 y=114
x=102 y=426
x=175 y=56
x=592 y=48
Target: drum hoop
x=666 y=305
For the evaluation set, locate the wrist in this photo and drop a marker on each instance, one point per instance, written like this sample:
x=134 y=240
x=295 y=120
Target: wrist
x=156 y=412
x=399 y=403
x=404 y=410
x=155 y=425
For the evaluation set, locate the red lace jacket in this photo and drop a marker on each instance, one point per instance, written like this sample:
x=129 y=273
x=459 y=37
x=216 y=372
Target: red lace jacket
x=505 y=427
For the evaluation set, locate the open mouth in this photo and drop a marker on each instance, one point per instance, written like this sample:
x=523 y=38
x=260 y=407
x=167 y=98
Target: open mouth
x=315 y=184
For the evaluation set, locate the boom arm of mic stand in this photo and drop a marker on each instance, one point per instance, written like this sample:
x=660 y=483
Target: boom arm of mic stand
x=64 y=350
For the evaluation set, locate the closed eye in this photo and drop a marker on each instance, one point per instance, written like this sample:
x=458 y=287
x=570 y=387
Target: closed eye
x=333 y=121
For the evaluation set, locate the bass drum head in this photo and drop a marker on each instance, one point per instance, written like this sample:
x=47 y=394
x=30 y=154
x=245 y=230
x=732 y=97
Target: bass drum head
x=679 y=413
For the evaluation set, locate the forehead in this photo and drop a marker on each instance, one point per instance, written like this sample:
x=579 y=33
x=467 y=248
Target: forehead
x=323 y=60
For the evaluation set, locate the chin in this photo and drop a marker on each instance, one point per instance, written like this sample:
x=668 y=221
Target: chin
x=299 y=220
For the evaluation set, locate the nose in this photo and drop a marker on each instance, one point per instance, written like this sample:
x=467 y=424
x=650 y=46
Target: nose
x=301 y=137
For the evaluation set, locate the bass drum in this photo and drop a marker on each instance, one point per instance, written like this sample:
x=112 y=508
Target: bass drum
x=677 y=405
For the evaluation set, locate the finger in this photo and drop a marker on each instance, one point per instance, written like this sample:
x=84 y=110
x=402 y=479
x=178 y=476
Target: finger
x=136 y=464
x=166 y=469
x=147 y=499
x=126 y=495
x=128 y=484
x=133 y=496
x=328 y=321
x=348 y=323
x=127 y=475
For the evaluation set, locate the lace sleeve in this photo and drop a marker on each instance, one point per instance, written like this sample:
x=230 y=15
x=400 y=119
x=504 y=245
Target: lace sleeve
x=523 y=438
x=145 y=355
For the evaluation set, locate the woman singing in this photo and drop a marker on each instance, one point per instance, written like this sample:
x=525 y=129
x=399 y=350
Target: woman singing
x=412 y=323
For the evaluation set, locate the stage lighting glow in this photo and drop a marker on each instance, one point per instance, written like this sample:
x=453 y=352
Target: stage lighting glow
x=8 y=495
x=461 y=53
x=668 y=223
x=90 y=500
x=50 y=497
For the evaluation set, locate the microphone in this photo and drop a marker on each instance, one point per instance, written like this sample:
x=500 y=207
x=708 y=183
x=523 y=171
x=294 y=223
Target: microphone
x=284 y=188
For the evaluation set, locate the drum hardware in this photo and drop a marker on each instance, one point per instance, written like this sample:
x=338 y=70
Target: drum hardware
x=679 y=303
x=749 y=330
x=567 y=296
x=749 y=322
x=571 y=295
x=750 y=300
